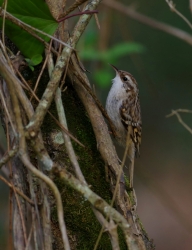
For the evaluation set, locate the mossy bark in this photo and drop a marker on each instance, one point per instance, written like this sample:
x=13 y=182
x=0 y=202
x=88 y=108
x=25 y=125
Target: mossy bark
x=83 y=227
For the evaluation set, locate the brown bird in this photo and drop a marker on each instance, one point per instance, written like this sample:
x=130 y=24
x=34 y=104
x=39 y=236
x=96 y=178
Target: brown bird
x=123 y=108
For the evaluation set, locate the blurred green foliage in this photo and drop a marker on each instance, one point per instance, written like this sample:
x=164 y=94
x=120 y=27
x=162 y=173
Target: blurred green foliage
x=89 y=53
x=102 y=76
x=111 y=55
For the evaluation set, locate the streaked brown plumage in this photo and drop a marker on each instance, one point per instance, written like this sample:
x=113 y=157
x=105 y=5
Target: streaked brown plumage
x=123 y=108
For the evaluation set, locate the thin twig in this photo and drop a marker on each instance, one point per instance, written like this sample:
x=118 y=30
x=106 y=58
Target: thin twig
x=11 y=219
x=3 y=23
x=4 y=49
x=78 y=14
x=6 y=110
x=76 y=4
x=97 y=21
x=29 y=236
x=3 y=31
x=176 y=112
x=180 y=111
x=17 y=190
x=172 y=8
x=41 y=72
x=21 y=216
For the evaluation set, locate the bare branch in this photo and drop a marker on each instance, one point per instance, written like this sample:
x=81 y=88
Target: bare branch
x=176 y=112
x=172 y=8
x=149 y=21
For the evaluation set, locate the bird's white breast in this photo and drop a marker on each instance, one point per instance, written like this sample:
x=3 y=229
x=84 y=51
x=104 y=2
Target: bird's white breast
x=113 y=103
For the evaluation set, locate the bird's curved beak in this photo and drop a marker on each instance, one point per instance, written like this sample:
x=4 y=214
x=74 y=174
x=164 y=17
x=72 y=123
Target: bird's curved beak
x=116 y=69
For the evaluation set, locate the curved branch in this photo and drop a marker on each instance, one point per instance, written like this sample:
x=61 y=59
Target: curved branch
x=149 y=21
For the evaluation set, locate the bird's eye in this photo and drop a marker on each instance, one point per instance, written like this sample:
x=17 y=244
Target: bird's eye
x=125 y=78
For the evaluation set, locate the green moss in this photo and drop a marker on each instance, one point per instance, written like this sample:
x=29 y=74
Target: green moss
x=79 y=217
x=89 y=157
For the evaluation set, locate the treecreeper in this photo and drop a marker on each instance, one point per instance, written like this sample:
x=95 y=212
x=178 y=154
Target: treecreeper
x=123 y=108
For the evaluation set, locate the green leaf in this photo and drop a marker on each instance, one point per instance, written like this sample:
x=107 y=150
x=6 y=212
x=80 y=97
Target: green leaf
x=31 y=67
x=35 y=13
x=90 y=54
x=124 y=49
x=36 y=59
x=112 y=54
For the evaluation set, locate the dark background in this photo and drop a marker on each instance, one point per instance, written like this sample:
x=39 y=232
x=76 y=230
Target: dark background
x=163 y=70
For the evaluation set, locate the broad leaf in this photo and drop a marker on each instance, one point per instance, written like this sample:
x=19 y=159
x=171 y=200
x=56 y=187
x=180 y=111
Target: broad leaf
x=34 y=13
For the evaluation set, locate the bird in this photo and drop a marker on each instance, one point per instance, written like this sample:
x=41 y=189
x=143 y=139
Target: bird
x=123 y=108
